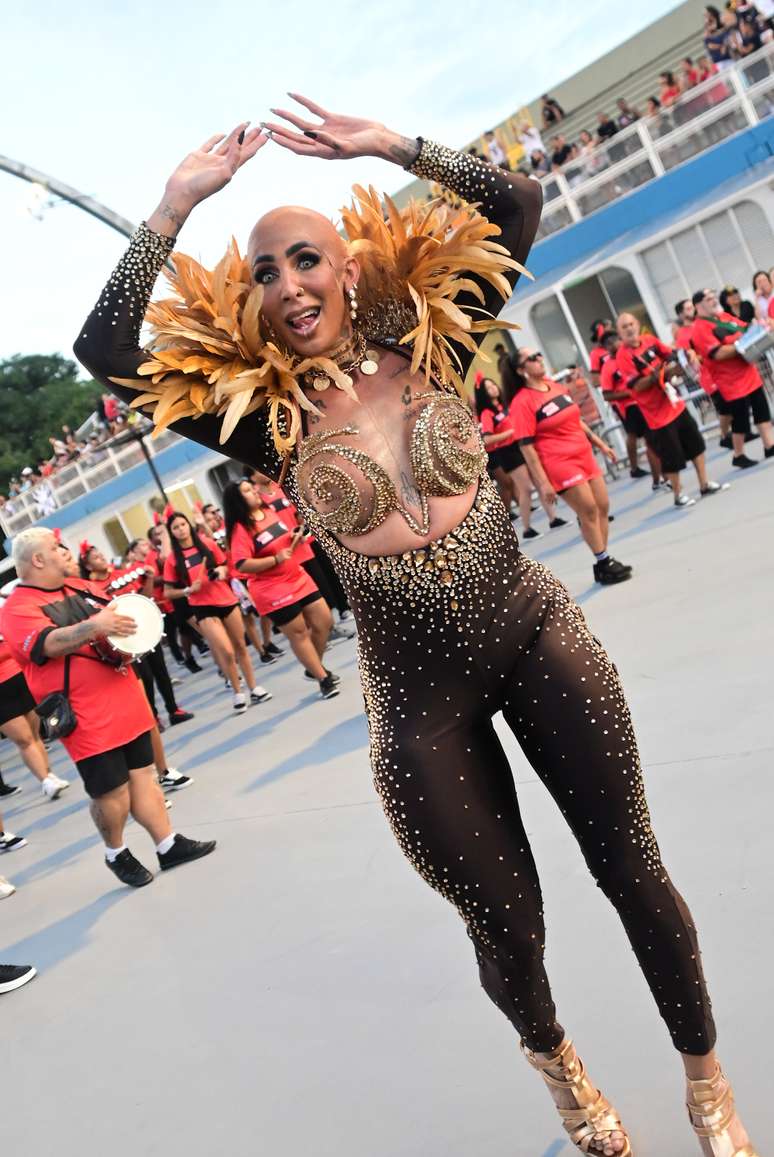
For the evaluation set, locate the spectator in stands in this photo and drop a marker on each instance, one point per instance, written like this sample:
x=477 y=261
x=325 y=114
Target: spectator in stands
x=706 y=67
x=689 y=74
x=562 y=152
x=714 y=336
x=670 y=89
x=715 y=37
x=551 y=111
x=594 y=159
x=627 y=115
x=762 y=287
x=530 y=138
x=495 y=152
x=606 y=127
x=731 y=301
x=539 y=163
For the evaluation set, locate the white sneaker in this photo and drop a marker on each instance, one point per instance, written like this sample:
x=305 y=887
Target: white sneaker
x=52 y=787
x=6 y=888
x=259 y=694
x=63 y=783
x=240 y=704
x=11 y=843
x=339 y=633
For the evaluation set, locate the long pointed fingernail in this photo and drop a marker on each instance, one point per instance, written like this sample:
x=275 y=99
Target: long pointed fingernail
x=309 y=133
x=241 y=137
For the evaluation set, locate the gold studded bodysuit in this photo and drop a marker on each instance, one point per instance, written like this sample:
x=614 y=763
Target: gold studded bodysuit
x=451 y=631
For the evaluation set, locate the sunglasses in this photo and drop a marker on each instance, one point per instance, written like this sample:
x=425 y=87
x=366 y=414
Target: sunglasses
x=532 y=358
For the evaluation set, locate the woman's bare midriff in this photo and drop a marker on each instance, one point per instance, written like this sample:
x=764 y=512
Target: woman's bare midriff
x=389 y=403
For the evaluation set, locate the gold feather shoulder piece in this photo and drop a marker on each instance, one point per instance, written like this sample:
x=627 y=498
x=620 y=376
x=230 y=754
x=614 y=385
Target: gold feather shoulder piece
x=210 y=353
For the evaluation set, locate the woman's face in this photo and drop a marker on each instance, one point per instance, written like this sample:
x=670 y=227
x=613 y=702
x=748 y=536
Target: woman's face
x=306 y=273
x=95 y=560
x=250 y=494
x=763 y=284
x=734 y=299
x=492 y=389
x=531 y=363
x=180 y=529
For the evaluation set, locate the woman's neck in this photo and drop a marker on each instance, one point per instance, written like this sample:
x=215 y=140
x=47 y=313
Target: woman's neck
x=538 y=384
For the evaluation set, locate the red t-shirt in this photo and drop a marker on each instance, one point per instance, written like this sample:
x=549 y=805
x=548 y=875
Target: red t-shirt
x=277 y=500
x=734 y=378
x=8 y=665
x=598 y=355
x=552 y=422
x=278 y=586
x=153 y=560
x=497 y=421
x=684 y=341
x=213 y=592
x=109 y=702
x=611 y=382
x=637 y=362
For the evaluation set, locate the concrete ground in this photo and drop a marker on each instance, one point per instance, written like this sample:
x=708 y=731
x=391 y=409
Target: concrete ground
x=302 y=991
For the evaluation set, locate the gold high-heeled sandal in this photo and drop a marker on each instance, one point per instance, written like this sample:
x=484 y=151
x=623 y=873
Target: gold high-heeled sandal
x=593 y=1118
x=711 y=1112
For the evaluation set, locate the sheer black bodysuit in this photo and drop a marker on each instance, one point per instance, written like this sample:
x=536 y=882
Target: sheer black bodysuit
x=449 y=635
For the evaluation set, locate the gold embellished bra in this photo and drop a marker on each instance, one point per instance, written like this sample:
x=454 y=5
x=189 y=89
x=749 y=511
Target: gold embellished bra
x=441 y=461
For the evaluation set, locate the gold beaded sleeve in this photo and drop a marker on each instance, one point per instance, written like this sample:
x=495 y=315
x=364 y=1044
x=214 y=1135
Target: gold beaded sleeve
x=109 y=347
x=512 y=202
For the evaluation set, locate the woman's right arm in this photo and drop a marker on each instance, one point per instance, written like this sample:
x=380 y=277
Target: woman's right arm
x=109 y=343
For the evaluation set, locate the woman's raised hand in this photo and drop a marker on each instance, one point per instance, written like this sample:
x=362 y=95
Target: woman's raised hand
x=338 y=137
x=203 y=172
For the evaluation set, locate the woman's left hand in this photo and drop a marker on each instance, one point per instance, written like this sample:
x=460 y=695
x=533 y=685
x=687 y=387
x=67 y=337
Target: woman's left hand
x=339 y=137
x=610 y=453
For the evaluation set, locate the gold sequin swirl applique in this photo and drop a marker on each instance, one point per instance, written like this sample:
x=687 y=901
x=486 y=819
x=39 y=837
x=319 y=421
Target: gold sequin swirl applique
x=441 y=463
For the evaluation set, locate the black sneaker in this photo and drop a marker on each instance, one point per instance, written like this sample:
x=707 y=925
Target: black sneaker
x=751 y=436
x=180 y=716
x=769 y=452
x=267 y=657
x=129 y=870
x=330 y=674
x=743 y=462
x=174 y=780
x=714 y=488
x=726 y=442
x=11 y=843
x=329 y=687
x=555 y=523
x=273 y=649
x=530 y=532
x=638 y=472
x=8 y=789
x=192 y=665
x=15 y=975
x=610 y=570
x=184 y=850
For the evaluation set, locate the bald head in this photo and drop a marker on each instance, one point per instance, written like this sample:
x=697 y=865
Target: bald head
x=628 y=328
x=292 y=225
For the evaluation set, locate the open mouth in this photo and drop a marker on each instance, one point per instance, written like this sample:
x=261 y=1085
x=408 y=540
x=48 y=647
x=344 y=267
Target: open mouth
x=305 y=321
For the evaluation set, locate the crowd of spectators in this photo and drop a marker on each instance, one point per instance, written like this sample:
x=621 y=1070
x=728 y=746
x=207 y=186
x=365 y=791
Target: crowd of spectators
x=737 y=31
x=110 y=418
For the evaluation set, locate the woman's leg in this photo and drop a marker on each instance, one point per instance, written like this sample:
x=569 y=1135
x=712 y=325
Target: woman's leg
x=23 y=732
x=170 y=633
x=578 y=736
x=505 y=487
x=251 y=630
x=215 y=633
x=158 y=668
x=235 y=629
x=319 y=620
x=299 y=636
x=598 y=488
x=522 y=484
x=580 y=499
x=266 y=630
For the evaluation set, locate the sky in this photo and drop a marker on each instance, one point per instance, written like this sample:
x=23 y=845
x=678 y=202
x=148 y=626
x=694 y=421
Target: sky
x=109 y=97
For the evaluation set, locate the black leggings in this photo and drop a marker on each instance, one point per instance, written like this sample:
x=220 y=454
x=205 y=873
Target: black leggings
x=449 y=636
x=152 y=668
x=740 y=409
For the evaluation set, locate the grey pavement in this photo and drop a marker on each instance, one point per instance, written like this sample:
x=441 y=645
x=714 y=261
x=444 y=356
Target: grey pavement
x=302 y=991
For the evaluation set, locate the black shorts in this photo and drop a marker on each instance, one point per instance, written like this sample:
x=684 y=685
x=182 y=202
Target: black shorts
x=721 y=406
x=284 y=614
x=15 y=698
x=505 y=458
x=740 y=408
x=182 y=610
x=110 y=769
x=213 y=612
x=678 y=443
x=634 y=422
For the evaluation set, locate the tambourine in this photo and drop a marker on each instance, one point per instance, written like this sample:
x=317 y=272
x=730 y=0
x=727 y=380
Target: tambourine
x=118 y=650
x=753 y=344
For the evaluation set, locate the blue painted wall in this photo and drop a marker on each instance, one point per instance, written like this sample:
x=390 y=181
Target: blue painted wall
x=655 y=200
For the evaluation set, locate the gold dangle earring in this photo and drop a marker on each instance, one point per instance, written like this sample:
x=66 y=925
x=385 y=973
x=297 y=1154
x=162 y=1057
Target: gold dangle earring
x=369 y=365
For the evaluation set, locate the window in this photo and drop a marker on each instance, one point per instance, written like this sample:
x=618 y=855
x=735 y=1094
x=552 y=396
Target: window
x=725 y=248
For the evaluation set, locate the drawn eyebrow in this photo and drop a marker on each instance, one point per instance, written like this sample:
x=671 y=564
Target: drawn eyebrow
x=266 y=257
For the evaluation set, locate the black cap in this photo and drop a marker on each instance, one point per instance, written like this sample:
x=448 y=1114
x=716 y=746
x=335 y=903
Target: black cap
x=699 y=296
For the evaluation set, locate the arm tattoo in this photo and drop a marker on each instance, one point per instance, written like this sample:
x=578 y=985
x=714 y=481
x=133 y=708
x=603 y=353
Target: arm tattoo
x=404 y=151
x=66 y=639
x=171 y=214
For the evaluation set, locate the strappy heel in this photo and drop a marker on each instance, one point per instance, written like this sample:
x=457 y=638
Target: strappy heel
x=593 y=1118
x=711 y=1110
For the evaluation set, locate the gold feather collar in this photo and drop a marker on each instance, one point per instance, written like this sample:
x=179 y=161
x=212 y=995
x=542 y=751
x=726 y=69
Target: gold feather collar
x=209 y=352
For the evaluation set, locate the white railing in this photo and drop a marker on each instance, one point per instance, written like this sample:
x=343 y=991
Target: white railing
x=77 y=478
x=721 y=106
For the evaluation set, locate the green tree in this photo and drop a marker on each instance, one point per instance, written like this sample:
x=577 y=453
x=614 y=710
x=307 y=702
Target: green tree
x=39 y=393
